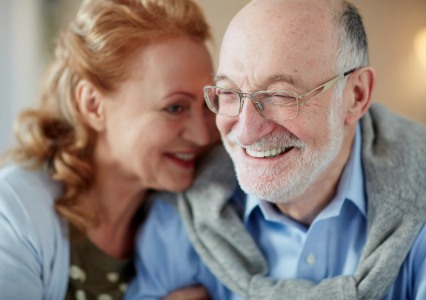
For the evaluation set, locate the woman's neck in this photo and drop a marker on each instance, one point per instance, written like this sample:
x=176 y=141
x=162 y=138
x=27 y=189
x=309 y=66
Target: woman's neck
x=115 y=203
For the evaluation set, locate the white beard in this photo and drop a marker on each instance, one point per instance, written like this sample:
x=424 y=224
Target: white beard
x=286 y=181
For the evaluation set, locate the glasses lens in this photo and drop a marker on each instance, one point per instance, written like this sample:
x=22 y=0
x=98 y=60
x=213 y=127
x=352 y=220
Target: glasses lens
x=277 y=106
x=222 y=101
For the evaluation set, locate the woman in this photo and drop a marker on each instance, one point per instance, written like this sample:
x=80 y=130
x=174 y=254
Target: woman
x=121 y=113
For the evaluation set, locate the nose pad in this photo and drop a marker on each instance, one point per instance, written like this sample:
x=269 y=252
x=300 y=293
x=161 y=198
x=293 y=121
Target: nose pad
x=251 y=110
x=258 y=105
x=250 y=125
x=243 y=100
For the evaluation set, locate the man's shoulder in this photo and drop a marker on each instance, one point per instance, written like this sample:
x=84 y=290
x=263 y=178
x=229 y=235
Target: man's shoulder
x=393 y=154
x=163 y=209
x=162 y=225
x=394 y=145
x=393 y=125
x=162 y=242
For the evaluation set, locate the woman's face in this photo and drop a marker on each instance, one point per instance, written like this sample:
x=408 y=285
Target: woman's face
x=156 y=123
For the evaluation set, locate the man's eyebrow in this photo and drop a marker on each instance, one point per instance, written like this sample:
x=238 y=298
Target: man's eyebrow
x=221 y=77
x=279 y=78
x=276 y=78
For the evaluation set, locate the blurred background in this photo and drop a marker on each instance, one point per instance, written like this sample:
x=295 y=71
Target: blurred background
x=396 y=32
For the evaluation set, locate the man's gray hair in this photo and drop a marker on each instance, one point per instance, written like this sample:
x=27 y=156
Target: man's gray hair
x=352 y=43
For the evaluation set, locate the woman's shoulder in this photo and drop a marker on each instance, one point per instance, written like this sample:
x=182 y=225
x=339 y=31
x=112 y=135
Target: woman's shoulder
x=25 y=184
x=34 y=243
x=27 y=196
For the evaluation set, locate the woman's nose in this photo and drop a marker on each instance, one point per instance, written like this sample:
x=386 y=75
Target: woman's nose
x=196 y=129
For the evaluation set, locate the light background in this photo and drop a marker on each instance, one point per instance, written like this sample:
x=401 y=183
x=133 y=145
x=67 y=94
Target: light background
x=27 y=28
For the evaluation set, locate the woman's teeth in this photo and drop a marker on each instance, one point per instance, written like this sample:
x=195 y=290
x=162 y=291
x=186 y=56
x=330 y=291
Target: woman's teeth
x=267 y=153
x=185 y=156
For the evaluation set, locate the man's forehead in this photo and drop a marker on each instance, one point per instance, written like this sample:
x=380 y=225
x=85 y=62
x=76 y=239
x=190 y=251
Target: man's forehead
x=284 y=45
x=274 y=6
x=276 y=17
x=255 y=81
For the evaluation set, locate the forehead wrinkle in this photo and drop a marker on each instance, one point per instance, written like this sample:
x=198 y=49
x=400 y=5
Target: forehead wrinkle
x=264 y=84
x=277 y=78
x=281 y=78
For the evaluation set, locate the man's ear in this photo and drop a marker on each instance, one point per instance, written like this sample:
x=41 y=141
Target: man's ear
x=361 y=86
x=91 y=104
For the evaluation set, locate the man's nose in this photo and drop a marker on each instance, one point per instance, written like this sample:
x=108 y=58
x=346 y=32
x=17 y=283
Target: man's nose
x=250 y=125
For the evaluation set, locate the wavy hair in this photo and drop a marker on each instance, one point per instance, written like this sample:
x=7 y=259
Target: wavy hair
x=96 y=47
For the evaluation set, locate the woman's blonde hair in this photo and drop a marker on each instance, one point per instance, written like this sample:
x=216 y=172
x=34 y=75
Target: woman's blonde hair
x=96 y=47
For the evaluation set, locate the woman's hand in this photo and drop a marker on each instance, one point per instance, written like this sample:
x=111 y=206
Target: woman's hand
x=191 y=293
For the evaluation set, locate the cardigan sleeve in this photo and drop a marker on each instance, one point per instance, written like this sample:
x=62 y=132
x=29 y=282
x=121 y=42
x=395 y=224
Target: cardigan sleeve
x=34 y=245
x=21 y=266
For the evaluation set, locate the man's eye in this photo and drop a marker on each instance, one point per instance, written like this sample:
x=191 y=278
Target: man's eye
x=225 y=95
x=225 y=92
x=280 y=99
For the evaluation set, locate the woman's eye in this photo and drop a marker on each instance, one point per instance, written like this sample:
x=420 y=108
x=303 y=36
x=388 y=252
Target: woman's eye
x=175 y=108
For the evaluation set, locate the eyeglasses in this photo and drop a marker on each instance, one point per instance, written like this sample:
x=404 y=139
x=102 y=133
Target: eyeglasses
x=272 y=105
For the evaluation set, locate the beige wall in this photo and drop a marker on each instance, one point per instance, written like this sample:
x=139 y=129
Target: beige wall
x=391 y=29
x=219 y=13
x=392 y=26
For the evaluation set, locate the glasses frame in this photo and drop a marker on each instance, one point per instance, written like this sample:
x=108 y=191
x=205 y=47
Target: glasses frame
x=300 y=99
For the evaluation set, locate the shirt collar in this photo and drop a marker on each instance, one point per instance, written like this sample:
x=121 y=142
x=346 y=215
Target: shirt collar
x=351 y=184
x=350 y=188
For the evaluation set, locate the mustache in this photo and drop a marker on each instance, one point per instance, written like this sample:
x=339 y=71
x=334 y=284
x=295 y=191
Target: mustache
x=280 y=139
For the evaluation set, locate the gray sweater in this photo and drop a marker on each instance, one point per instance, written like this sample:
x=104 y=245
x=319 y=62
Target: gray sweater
x=393 y=154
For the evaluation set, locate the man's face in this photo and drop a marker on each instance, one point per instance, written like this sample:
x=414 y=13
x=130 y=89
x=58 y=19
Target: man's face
x=290 y=49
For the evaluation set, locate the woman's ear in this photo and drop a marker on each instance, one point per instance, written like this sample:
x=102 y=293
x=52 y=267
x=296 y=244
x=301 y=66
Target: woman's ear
x=91 y=105
x=361 y=86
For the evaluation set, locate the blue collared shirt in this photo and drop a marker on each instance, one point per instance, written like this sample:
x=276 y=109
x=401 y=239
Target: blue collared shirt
x=295 y=251
x=329 y=247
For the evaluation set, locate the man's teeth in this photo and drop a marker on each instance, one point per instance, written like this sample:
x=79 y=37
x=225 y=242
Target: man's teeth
x=185 y=156
x=267 y=153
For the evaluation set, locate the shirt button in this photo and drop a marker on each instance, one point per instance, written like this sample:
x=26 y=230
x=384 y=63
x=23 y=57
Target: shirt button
x=310 y=259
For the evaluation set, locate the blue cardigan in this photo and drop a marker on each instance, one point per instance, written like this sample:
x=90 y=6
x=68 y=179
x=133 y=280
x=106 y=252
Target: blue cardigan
x=34 y=245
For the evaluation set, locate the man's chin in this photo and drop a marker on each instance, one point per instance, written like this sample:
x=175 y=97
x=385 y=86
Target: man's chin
x=262 y=194
x=255 y=186
x=268 y=188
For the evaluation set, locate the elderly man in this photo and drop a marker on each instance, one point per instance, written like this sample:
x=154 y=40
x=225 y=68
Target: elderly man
x=331 y=201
